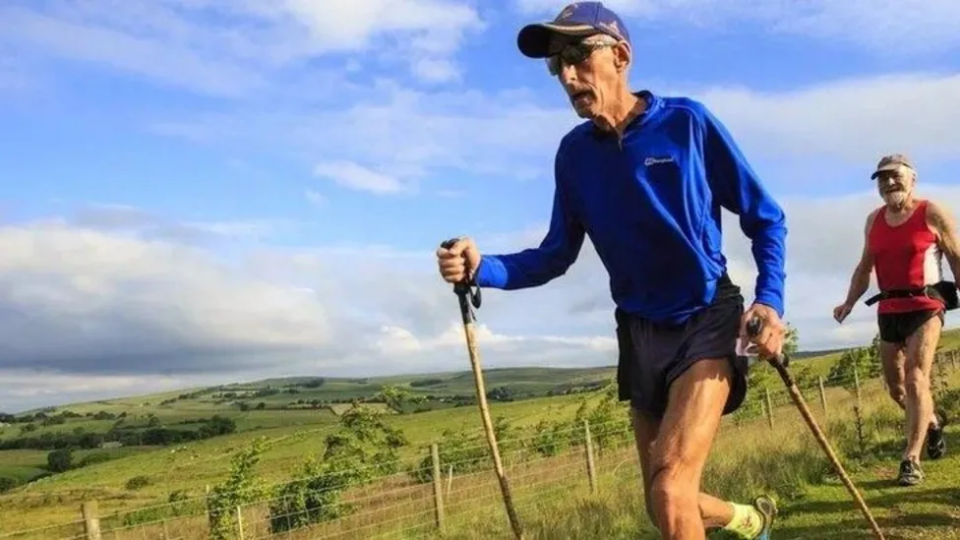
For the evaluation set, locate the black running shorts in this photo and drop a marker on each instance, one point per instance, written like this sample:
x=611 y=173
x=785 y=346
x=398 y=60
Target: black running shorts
x=653 y=355
x=897 y=327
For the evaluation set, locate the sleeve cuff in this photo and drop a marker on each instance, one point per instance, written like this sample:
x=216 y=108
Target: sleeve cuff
x=490 y=273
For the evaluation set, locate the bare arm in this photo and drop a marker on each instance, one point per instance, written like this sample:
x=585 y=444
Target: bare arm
x=860 y=281
x=945 y=228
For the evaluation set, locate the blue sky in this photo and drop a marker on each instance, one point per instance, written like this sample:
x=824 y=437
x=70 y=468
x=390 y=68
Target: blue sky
x=208 y=190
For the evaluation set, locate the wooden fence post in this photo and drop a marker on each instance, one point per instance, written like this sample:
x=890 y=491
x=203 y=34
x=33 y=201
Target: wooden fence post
x=91 y=520
x=856 y=382
x=449 y=479
x=239 y=523
x=437 y=486
x=769 y=407
x=823 y=397
x=591 y=467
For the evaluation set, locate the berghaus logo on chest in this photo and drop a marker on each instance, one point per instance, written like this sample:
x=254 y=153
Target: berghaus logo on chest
x=657 y=160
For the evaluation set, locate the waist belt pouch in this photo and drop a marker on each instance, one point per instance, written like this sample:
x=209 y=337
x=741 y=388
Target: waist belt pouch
x=948 y=291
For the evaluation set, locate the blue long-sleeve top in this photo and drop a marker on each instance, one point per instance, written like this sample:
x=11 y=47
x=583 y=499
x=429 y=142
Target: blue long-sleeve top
x=651 y=203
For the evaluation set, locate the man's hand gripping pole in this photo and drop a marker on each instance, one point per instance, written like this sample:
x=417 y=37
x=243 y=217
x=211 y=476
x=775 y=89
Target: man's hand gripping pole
x=780 y=363
x=469 y=296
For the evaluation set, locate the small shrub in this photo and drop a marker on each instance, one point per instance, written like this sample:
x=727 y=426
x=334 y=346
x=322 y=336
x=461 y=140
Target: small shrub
x=7 y=483
x=948 y=405
x=465 y=452
x=60 y=460
x=137 y=482
x=362 y=448
x=94 y=458
x=551 y=438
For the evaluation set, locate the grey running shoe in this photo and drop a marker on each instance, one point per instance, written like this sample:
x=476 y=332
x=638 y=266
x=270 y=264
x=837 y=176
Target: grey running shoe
x=910 y=473
x=768 y=508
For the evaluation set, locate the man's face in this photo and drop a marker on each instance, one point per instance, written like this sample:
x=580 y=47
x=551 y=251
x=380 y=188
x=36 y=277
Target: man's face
x=895 y=186
x=592 y=82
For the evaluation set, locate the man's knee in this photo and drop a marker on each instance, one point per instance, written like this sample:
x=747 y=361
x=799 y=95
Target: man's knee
x=917 y=383
x=673 y=489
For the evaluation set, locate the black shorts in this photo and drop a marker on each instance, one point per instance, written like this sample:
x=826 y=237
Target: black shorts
x=897 y=327
x=653 y=355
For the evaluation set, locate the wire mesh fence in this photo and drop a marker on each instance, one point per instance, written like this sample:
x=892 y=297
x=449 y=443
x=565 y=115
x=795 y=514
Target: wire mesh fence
x=416 y=501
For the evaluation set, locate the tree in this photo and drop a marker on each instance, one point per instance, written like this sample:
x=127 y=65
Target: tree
x=60 y=460
x=7 y=483
x=394 y=397
x=791 y=342
x=864 y=361
x=550 y=438
x=362 y=448
x=241 y=487
x=608 y=424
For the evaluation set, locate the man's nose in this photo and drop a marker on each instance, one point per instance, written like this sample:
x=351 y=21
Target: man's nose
x=568 y=73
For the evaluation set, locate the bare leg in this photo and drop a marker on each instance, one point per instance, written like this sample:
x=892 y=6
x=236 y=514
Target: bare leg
x=679 y=452
x=921 y=348
x=893 y=360
x=714 y=512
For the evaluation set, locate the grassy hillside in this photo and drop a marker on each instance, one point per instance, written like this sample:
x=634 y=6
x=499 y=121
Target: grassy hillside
x=295 y=419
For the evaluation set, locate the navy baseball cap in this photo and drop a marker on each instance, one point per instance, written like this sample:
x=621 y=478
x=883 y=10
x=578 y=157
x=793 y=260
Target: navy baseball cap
x=577 y=19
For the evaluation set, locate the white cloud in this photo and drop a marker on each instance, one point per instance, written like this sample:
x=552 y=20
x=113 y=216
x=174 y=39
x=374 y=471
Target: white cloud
x=121 y=217
x=107 y=312
x=240 y=48
x=77 y=299
x=436 y=26
x=12 y=76
x=315 y=198
x=852 y=120
x=399 y=342
x=357 y=177
x=23 y=389
x=436 y=71
x=933 y=25
x=407 y=132
x=514 y=133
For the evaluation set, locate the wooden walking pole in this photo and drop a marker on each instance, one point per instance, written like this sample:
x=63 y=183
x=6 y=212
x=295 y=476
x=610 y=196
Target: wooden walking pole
x=780 y=364
x=468 y=295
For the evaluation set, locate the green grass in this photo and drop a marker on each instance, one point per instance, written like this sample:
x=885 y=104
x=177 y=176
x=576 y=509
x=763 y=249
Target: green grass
x=754 y=459
x=205 y=463
x=747 y=458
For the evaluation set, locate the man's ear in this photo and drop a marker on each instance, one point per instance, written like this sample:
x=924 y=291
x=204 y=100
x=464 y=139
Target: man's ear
x=622 y=55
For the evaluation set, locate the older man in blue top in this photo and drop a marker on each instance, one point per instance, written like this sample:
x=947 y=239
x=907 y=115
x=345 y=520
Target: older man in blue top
x=646 y=176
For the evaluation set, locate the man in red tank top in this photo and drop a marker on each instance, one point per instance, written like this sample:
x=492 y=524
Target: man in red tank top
x=905 y=240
